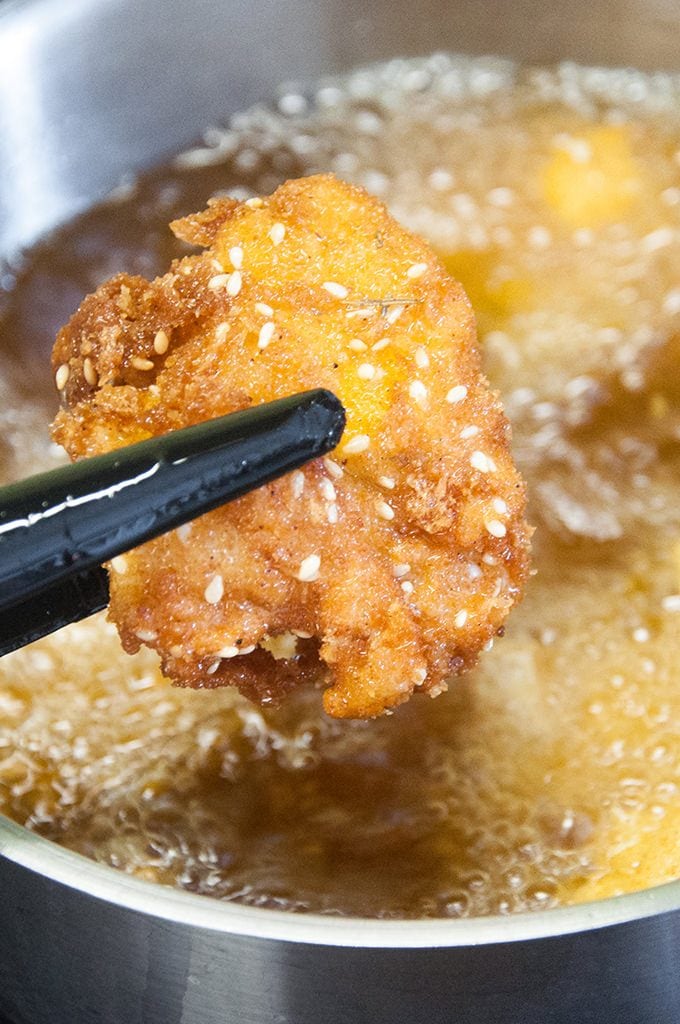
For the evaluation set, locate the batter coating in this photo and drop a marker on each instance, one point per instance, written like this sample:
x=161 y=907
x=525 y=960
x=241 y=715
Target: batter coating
x=394 y=562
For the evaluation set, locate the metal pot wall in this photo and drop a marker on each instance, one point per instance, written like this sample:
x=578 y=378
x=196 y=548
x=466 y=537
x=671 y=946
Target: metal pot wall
x=90 y=89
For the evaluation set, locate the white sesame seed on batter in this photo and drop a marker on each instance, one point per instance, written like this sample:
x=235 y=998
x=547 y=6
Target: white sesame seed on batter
x=481 y=462
x=218 y=281
x=221 y=332
x=266 y=334
x=380 y=345
x=184 y=532
x=460 y=618
x=229 y=652
x=146 y=635
x=457 y=394
x=337 y=290
x=417 y=391
x=366 y=371
x=416 y=270
x=234 y=283
x=500 y=506
x=401 y=569
x=422 y=358
x=407 y=587
x=309 y=569
x=384 y=510
x=255 y=202
x=333 y=468
x=356 y=444
x=61 y=376
x=277 y=233
x=161 y=343
x=119 y=564
x=468 y=432
x=332 y=513
x=387 y=482
x=264 y=309
x=328 y=490
x=89 y=372
x=495 y=528
x=214 y=592
x=140 y=363
x=236 y=257
x=357 y=345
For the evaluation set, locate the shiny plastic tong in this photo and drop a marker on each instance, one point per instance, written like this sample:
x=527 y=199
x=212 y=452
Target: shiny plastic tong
x=57 y=528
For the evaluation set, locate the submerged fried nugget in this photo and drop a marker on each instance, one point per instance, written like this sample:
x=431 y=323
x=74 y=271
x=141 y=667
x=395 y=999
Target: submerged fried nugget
x=394 y=562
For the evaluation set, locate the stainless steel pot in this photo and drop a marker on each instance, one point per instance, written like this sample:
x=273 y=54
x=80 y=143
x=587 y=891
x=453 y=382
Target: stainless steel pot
x=88 y=90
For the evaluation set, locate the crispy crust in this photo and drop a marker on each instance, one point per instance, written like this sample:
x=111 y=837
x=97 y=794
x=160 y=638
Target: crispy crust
x=421 y=535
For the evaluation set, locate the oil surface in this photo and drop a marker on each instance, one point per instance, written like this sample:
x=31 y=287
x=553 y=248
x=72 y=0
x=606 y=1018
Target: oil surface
x=550 y=774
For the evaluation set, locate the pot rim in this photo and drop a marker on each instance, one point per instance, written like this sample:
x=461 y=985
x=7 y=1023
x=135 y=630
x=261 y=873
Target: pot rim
x=102 y=882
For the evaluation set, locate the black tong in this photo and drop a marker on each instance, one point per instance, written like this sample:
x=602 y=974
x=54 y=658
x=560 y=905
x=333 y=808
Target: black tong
x=57 y=528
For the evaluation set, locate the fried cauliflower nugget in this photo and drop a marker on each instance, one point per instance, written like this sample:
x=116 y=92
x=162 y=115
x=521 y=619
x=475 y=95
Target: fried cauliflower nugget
x=394 y=562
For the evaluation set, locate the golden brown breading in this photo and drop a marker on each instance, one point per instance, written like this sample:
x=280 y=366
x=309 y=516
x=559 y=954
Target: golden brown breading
x=396 y=561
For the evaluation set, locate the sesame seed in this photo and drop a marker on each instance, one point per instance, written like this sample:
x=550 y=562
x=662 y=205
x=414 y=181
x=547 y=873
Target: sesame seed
x=333 y=288
x=500 y=506
x=255 y=202
x=495 y=528
x=142 y=364
x=297 y=482
x=214 y=592
x=89 y=372
x=467 y=432
x=155 y=390
x=474 y=572
x=482 y=462
x=401 y=569
x=358 y=443
x=161 y=343
x=212 y=669
x=264 y=309
x=302 y=633
x=407 y=587
x=119 y=564
x=641 y=635
x=236 y=257
x=277 y=233
x=184 y=532
x=309 y=568
x=393 y=314
x=419 y=676
x=418 y=391
x=366 y=371
x=217 y=282
x=380 y=345
x=61 y=376
x=221 y=332
x=332 y=513
x=489 y=559
x=357 y=345
x=266 y=334
x=387 y=482
x=229 y=652
x=146 y=635
x=333 y=468
x=671 y=603
x=328 y=490
x=234 y=283
x=457 y=394
x=422 y=358
x=460 y=619
x=416 y=270
x=384 y=510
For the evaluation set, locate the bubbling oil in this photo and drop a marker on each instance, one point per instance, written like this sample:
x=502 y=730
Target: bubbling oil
x=549 y=775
